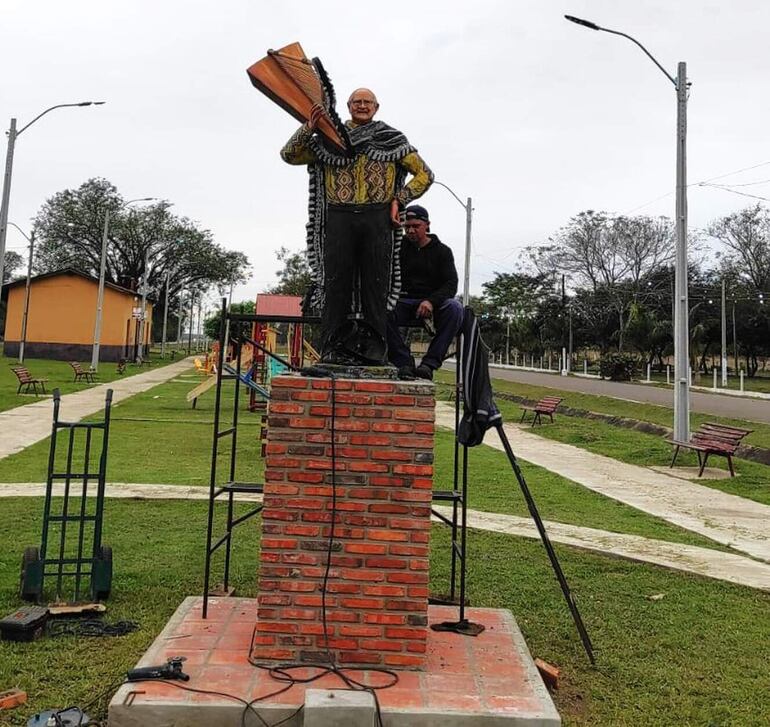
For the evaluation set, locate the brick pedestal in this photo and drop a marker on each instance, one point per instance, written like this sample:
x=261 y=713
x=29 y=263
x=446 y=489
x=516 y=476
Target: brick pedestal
x=377 y=592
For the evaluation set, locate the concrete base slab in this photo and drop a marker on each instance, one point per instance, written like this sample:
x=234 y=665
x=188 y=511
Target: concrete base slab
x=338 y=708
x=484 y=681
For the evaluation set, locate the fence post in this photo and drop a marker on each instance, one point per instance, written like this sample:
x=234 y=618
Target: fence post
x=648 y=373
x=585 y=366
x=741 y=379
x=668 y=374
x=715 y=378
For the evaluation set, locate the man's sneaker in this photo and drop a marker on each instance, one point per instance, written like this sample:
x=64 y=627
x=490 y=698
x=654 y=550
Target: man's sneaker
x=424 y=372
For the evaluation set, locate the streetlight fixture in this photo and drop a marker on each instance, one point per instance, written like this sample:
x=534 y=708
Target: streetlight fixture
x=681 y=324
x=100 y=294
x=468 y=207
x=31 y=240
x=13 y=134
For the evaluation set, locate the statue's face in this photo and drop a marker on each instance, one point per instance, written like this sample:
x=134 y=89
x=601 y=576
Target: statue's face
x=362 y=105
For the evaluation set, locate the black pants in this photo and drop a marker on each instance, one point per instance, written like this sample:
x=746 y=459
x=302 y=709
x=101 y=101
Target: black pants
x=359 y=240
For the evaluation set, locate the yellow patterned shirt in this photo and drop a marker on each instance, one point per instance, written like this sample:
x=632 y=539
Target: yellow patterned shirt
x=363 y=180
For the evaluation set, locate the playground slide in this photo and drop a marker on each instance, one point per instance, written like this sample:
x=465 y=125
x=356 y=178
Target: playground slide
x=246 y=379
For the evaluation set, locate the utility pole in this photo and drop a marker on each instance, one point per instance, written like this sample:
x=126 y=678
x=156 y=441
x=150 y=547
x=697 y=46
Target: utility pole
x=143 y=320
x=724 y=336
x=26 y=299
x=190 y=324
x=100 y=296
x=198 y=329
x=179 y=319
x=735 y=341
x=165 y=322
x=6 y=194
x=467 y=273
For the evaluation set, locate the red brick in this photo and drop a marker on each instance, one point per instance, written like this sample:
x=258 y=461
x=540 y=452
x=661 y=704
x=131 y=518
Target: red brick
x=410 y=495
x=326 y=384
x=393 y=591
x=356 y=603
x=352 y=425
x=381 y=645
x=317 y=601
x=368 y=467
x=343 y=644
x=346 y=561
x=351 y=506
x=320 y=491
x=312 y=531
x=426 y=401
x=393 y=427
x=326 y=437
x=370 y=631
x=263 y=640
x=367 y=520
x=302 y=614
x=420 y=536
x=360 y=574
x=301 y=558
x=389 y=508
x=277 y=654
x=424 y=428
x=325 y=410
x=416 y=647
x=314 y=477
x=413 y=469
x=275 y=448
x=385 y=618
x=275 y=600
x=418 y=550
x=276 y=489
x=289 y=382
x=403 y=605
x=310 y=396
x=276 y=628
x=409 y=523
x=304 y=503
x=368 y=493
x=372 y=440
x=351 y=452
x=392 y=455
x=395 y=632
x=343 y=616
x=315 y=628
x=414 y=415
x=407 y=577
x=349 y=588
x=312 y=450
x=418 y=564
x=297 y=586
x=360 y=399
x=422 y=483
x=324 y=464
x=387 y=481
x=417 y=592
x=266 y=557
x=425 y=443
x=279 y=407
x=274 y=476
x=360 y=657
x=375 y=386
x=388 y=563
x=389 y=535
x=365 y=548
x=307 y=423
x=282 y=543
x=279 y=515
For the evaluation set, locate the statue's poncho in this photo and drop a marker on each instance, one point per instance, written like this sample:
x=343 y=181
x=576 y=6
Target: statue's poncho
x=378 y=142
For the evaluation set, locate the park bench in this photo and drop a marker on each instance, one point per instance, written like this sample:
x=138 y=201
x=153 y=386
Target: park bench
x=27 y=380
x=80 y=374
x=712 y=438
x=546 y=405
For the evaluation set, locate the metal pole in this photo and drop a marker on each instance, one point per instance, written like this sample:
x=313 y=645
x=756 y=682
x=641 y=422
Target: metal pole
x=142 y=323
x=735 y=340
x=100 y=295
x=724 y=336
x=6 y=194
x=190 y=323
x=227 y=321
x=569 y=359
x=198 y=327
x=467 y=280
x=508 y=342
x=681 y=334
x=179 y=319
x=26 y=299
x=165 y=322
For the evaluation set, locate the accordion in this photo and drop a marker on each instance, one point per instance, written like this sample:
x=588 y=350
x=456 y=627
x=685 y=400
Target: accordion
x=296 y=83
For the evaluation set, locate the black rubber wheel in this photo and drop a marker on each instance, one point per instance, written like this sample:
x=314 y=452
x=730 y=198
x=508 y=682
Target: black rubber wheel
x=102 y=590
x=27 y=590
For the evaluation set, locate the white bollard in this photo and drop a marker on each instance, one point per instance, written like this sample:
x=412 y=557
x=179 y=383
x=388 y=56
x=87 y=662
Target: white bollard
x=715 y=378
x=668 y=374
x=585 y=366
x=648 y=373
x=549 y=361
x=690 y=375
x=741 y=379
x=564 y=363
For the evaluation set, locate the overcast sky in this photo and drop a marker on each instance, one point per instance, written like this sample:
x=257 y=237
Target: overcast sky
x=533 y=117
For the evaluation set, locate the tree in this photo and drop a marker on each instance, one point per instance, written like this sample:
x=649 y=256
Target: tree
x=242 y=329
x=746 y=235
x=70 y=225
x=13 y=261
x=294 y=278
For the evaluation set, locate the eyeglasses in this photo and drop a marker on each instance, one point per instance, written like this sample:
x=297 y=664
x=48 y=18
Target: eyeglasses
x=362 y=103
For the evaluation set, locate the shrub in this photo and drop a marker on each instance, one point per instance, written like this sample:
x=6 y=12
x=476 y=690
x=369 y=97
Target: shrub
x=618 y=366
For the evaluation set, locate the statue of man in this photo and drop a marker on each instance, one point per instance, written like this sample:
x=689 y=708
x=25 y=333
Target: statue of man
x=354 y=227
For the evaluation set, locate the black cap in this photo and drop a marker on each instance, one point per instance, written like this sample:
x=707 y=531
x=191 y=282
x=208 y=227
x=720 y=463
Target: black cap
x=416 y=212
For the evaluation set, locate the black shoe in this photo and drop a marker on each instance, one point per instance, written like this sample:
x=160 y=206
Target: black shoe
x=407 y=373
x=424 y=372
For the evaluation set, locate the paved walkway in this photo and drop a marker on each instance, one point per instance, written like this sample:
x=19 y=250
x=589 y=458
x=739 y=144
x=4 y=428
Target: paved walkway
x=25 y=425
x=728 y=519
x=734 y=407
x=688 y=558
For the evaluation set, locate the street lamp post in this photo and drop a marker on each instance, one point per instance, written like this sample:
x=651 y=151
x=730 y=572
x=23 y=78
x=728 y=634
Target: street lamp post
x=165 y=321
x=100 y=294
x=468 y=207
x=13 y=134
x=25 y=313
x=681 y=326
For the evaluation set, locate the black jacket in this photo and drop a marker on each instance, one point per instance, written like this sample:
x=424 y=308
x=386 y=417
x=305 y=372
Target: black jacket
x=429 y=272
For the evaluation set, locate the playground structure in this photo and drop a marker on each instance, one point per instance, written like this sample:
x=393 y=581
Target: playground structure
x=253 y=364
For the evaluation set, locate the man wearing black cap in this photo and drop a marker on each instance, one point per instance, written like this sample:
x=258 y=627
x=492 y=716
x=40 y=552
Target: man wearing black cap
x=428 y=287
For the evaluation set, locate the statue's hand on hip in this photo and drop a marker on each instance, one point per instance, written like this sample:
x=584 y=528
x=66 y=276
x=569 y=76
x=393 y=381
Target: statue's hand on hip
x=394 y=216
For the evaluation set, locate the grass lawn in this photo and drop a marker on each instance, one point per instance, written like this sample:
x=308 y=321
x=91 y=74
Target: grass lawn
x=59 y=374
x=697 y=656
x=645 y=450
x=157 y=437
